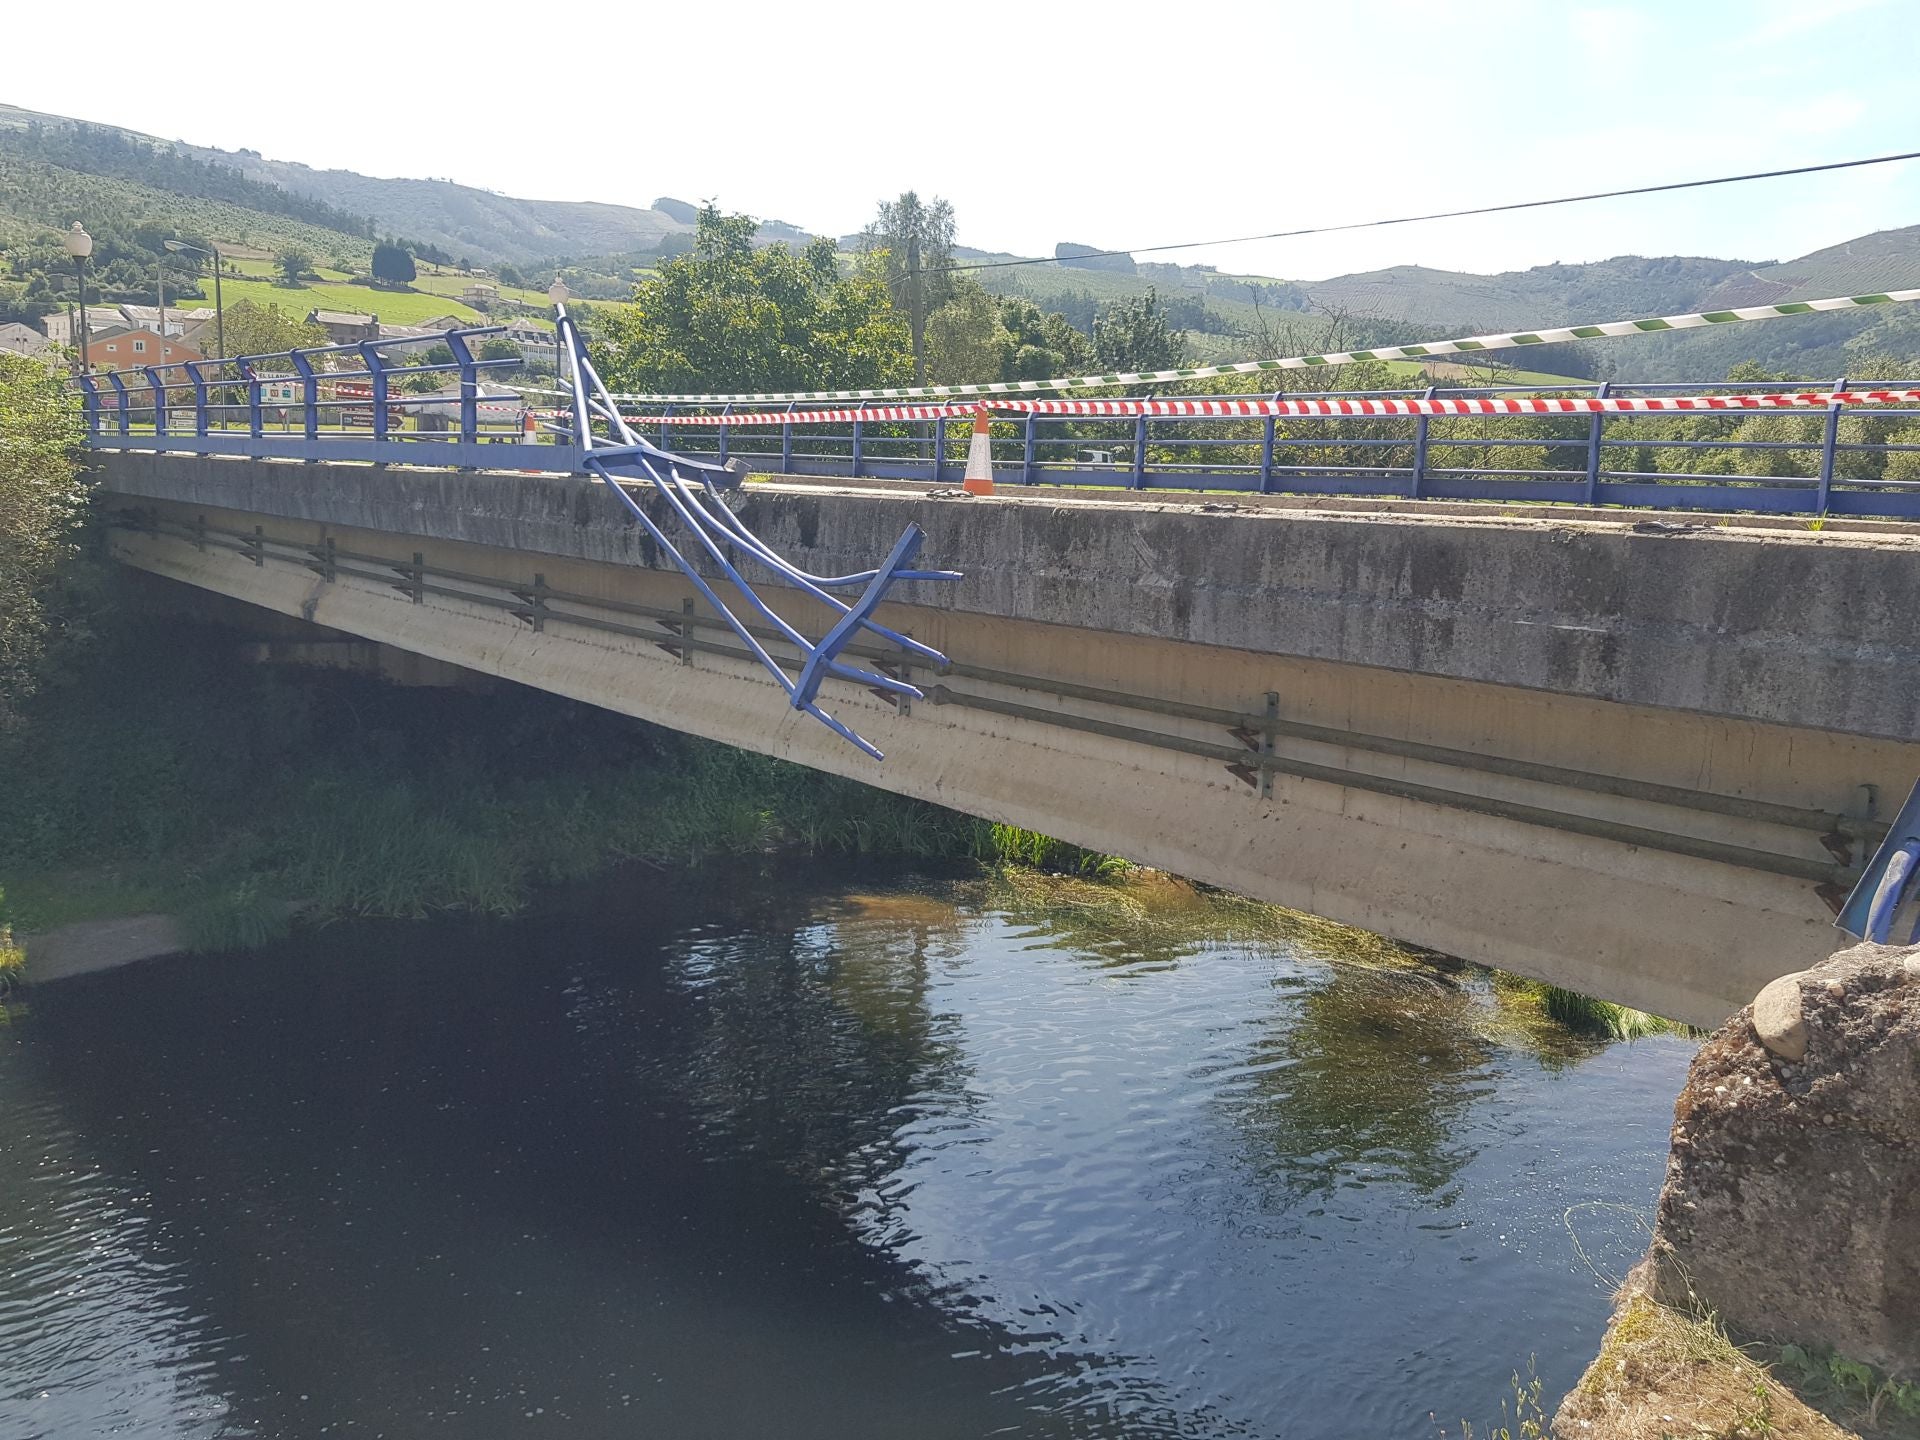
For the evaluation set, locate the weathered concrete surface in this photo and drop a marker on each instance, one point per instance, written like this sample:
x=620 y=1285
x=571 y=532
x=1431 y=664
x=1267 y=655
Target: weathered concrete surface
x=1792 y=1200
x=1806 y=630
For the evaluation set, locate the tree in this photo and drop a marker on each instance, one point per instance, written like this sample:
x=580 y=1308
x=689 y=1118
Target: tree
x=1045 y=344
x=253 y=329
x=392 y=265
x=728 y=316
x=42 y=498
x=499 y=347
x=293 y=262
x=966 y=342
x=915 y=242
x=1134 y=335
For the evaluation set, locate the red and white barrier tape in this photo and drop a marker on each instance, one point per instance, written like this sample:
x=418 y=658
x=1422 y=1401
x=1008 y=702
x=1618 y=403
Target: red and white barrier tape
x=1358 y=408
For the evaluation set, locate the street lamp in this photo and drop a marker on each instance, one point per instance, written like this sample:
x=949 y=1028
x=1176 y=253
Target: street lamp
x=559 y=294
x=219 y=308
x=80 y=245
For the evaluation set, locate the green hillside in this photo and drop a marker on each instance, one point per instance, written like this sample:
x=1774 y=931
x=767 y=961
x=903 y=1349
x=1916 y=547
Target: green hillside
x=1886 y=259
x=38 y=201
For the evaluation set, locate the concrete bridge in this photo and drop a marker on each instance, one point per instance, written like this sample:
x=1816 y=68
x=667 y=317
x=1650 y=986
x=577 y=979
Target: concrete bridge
x=1642 y=760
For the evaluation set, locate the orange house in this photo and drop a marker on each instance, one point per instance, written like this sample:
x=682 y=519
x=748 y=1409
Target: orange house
x=136 y=349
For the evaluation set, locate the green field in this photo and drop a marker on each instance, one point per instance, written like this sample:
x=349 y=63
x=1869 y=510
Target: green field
x=453 y=283
x=430 y=296
x=397 y=307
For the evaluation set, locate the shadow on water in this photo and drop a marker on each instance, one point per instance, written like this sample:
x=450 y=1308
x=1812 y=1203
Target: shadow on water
x=795 y=1157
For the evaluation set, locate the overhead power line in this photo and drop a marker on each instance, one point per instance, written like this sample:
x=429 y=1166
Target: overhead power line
x=1446 y=214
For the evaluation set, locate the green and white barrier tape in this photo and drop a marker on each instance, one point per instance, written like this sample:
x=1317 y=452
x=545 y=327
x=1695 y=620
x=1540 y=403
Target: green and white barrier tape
x=1465 y=346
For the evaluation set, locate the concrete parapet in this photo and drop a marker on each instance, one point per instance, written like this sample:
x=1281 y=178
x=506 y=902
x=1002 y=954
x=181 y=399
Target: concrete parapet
x=1786 y=627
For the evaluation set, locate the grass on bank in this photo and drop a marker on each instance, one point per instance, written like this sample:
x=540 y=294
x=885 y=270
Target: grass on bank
x=1849 y=1391
x=12 y=958
x=1585 y=1015
x=1664 y=1372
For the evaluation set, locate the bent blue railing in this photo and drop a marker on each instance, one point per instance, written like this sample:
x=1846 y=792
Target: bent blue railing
x=691 y=489
x=1885 y=883
x=232 y=410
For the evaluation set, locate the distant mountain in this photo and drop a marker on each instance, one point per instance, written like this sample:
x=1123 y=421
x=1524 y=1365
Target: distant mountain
x=1547 y=295
x=460 y=219
x=465 y=221
x=1441 y=302
x=1225 y=314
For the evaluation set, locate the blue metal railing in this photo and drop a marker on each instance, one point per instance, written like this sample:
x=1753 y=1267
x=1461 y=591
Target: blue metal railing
x=290 y=405
x=1828 y=460
x=309 y=405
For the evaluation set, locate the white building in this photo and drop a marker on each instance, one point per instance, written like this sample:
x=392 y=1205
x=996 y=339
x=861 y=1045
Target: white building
x=18 y=339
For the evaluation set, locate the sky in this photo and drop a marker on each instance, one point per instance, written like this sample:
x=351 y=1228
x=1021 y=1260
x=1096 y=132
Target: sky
x=1116 y=124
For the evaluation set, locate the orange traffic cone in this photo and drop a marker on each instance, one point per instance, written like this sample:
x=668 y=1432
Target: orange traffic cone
x=979 y=479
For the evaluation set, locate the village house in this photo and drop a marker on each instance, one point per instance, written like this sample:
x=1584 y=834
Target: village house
x=18 y=339
x=344 y=327
x=536 y=344
x=179 y=322
x=101 y=320
x=133 y=349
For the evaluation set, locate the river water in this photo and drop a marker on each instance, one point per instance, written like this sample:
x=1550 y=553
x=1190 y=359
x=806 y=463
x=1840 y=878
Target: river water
x=805 y=1156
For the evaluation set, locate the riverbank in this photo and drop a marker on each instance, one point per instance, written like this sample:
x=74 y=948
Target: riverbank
x=166 y=775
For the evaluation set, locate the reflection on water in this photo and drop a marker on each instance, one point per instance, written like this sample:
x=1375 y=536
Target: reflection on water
x=907 y=1160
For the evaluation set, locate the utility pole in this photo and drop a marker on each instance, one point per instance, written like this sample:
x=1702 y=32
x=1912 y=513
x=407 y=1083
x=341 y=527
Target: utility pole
x=212 y=252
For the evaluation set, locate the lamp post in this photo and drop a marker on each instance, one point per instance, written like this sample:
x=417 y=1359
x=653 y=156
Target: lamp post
x=559 y=294
x=219 y=308
x=80 y=245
